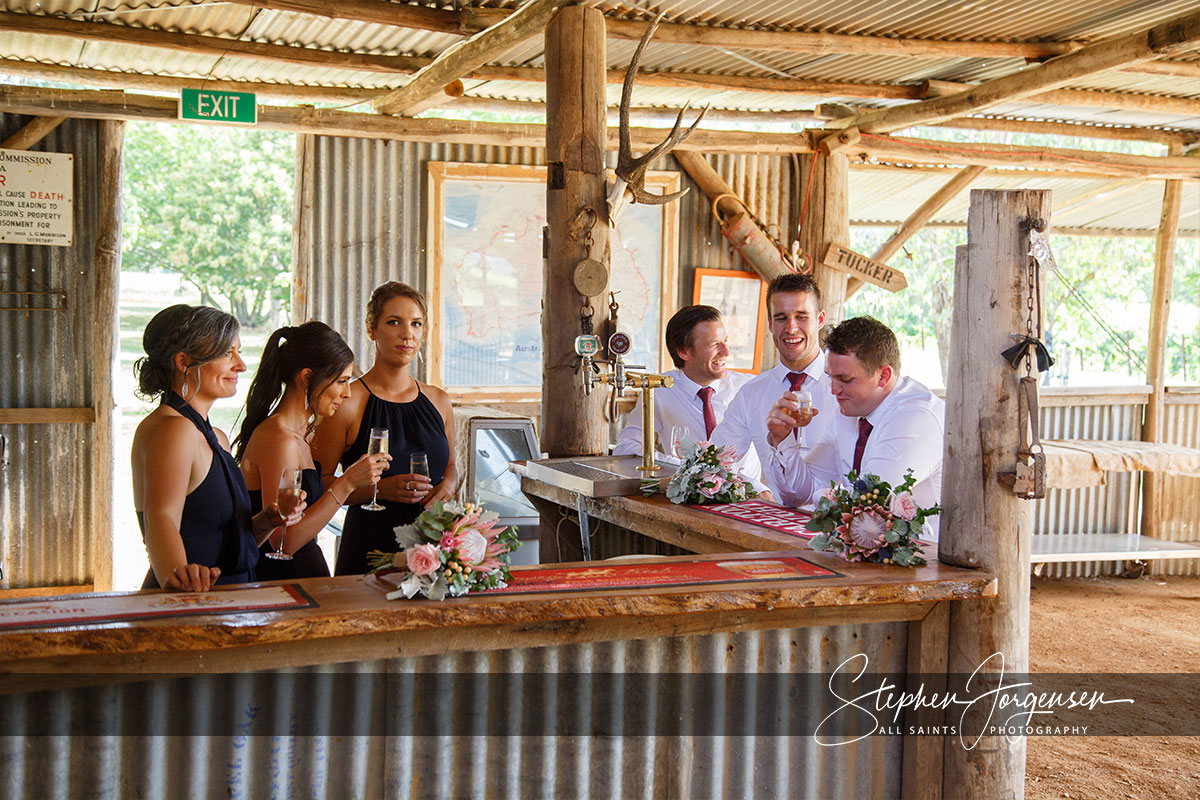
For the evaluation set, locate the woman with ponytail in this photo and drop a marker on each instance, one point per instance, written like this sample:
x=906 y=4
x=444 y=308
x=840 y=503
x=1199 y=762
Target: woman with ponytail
x=188 y=492
x=303 y=378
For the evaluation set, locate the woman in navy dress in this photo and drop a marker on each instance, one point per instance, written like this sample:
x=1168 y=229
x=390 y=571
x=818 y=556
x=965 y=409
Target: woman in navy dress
x=418 y=417
x=302 y=379
x=189 y=495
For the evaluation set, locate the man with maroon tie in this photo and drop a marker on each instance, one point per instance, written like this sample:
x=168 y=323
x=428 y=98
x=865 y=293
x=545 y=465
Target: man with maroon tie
x=795 y=318
x=887 y=424
x=703 y=387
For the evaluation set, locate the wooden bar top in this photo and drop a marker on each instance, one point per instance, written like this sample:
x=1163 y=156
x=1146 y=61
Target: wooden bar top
x=353 y=621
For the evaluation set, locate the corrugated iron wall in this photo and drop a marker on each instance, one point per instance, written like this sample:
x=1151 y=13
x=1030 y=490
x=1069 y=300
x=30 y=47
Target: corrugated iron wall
x=267 y=758
x=1180 y=495
x=47 y=504
x=369 y=210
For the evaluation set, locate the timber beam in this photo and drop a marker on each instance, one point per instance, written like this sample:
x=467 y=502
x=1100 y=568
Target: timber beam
x=37 y=101
x=1175 y=36
x=466 y=57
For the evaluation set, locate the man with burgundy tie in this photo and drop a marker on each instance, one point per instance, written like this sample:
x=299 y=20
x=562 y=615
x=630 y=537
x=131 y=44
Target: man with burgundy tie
x=887 y=424
x=702 y=390
x=795 y=318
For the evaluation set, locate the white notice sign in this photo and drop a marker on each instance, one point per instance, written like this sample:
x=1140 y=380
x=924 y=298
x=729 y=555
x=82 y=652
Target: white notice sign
x=36 y=198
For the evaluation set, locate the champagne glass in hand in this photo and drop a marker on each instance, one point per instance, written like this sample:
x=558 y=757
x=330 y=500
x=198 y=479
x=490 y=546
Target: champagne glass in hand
x=418 y=464
x=378 y=443
x=287 y=500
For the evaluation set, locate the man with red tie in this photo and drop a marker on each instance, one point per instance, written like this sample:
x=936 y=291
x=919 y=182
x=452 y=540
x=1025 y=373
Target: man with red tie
x=795 y=318
x=703 y=387
x=887 y=424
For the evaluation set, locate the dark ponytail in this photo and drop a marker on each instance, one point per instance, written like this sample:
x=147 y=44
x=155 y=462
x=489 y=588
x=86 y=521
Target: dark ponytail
x=289 y=350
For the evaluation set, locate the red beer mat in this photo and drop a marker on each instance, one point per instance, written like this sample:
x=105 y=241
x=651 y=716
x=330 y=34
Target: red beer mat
x=609 y=575
x=48 y=612
x=768 y=515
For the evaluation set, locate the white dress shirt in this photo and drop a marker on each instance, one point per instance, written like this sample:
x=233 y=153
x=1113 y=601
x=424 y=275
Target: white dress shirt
x=679 y=406
x=744 y=427
x=908 y=429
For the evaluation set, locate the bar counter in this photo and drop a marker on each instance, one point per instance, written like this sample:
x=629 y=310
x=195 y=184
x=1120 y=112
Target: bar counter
x=327 y=700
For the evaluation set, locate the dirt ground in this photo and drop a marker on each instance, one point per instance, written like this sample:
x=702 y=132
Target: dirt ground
x=1149 y=624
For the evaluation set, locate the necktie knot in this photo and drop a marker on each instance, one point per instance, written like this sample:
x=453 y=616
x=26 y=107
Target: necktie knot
x=710 y=415
x=796 y=379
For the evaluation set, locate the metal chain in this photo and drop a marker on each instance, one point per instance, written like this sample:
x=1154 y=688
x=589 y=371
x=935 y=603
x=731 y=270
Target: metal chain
x=1031 y=305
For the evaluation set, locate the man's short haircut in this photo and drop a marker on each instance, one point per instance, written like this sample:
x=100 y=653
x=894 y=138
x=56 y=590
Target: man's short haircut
x=792 y=282
x=681 y=326
x=869 y=339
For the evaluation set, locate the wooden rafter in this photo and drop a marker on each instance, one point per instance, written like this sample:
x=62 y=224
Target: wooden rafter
x=32 y=133
x=39 y=101
x=1082 y=97
x=916 y=220
x=1170 y=37
x=466 y=57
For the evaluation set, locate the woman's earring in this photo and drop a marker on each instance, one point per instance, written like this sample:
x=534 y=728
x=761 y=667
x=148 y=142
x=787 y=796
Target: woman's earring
x=185 y=384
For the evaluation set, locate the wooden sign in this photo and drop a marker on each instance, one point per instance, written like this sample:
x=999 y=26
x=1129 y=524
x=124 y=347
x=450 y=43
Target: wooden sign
x=867 y=269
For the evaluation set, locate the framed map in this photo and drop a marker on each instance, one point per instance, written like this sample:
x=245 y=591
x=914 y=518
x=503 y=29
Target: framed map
x=485 y=277
x=742 y=299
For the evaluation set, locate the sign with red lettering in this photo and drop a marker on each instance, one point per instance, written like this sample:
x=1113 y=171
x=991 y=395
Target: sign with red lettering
x=37 y=193
x=864 y=268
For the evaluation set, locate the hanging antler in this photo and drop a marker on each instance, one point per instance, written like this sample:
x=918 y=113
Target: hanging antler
x=630 y=170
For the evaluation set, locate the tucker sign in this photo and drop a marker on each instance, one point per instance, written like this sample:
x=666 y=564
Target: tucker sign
x=867 y=269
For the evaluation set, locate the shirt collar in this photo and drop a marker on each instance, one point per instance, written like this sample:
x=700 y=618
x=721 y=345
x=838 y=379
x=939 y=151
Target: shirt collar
x=883 y=409
x=815 y=370
x=687 y=384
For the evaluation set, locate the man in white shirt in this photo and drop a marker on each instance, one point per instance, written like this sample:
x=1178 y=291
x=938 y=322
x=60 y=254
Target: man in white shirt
x=703 y=387
x=795 y=320
x=887 y=424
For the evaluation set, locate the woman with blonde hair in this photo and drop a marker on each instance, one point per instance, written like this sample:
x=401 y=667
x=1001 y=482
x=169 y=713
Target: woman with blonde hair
x=303 y=378
x=417 y=416
x=188 y=492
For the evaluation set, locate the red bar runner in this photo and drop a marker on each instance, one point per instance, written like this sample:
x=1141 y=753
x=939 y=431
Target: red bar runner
x=616 y=575
x=768 y=515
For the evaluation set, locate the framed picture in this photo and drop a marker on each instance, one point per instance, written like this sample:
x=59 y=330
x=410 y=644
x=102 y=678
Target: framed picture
x=742 y=300
x=485 y=277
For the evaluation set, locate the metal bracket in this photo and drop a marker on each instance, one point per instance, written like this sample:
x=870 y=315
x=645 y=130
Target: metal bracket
x=585 y=534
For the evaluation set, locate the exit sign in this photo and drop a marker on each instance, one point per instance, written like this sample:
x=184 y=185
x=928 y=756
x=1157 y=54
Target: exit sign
x=208 y=105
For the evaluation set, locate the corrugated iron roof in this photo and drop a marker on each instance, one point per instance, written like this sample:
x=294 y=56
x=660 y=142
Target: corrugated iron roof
x=895 y=194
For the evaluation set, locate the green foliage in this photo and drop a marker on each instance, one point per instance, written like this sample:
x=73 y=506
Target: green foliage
x=215 y=205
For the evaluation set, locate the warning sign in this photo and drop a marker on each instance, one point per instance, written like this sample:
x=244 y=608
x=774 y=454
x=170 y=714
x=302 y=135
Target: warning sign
x=36 y=198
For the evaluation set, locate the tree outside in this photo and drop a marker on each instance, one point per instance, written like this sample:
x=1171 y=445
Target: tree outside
x=214 y=205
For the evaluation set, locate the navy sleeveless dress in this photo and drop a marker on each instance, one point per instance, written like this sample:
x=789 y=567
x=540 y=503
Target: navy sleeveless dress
x=308 y=561
x=215 y=524
x=413 y=427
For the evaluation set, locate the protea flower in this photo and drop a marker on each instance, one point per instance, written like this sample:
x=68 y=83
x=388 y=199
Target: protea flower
x=864 y=531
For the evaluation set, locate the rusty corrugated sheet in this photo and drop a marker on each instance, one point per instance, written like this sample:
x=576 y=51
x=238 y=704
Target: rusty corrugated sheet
x=265 y=758
x=48 y=510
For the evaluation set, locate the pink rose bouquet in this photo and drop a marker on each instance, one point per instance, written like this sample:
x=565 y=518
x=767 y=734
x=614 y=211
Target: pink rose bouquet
x=450 y=549
x=706 y=476
x=870 y=521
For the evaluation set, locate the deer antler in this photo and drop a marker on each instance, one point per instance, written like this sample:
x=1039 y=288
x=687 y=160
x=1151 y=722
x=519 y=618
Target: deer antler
x=633 y=170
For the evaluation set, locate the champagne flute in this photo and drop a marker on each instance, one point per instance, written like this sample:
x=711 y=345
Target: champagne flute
x=675 y=445
x=287 y=500
x=378 y=443
x=418 y=464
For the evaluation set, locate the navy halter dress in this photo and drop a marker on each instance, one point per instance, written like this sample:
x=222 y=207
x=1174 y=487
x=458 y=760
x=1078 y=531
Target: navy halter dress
x=215 y=524
x=413 y=427
x=308 y=561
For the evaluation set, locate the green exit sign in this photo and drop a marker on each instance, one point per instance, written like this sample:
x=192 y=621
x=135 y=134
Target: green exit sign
x=208 y=105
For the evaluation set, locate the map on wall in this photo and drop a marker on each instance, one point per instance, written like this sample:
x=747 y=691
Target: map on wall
x=491 y=281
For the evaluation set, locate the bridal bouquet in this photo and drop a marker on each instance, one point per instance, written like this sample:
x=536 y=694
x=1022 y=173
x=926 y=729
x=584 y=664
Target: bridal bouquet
x=870 y=521
x=705 y=476
x=449 y=549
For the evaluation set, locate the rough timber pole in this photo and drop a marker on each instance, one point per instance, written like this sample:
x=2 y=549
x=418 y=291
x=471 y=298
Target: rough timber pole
x=826 y=219
x=984 y=525
x=1160 y=310
x=572 y=424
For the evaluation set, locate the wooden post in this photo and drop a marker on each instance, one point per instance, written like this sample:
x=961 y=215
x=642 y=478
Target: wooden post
x=1160 y=312
x=984 y=525
x=826 y=220
x=104 y=340
x=572 y=423
x=302 y=227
